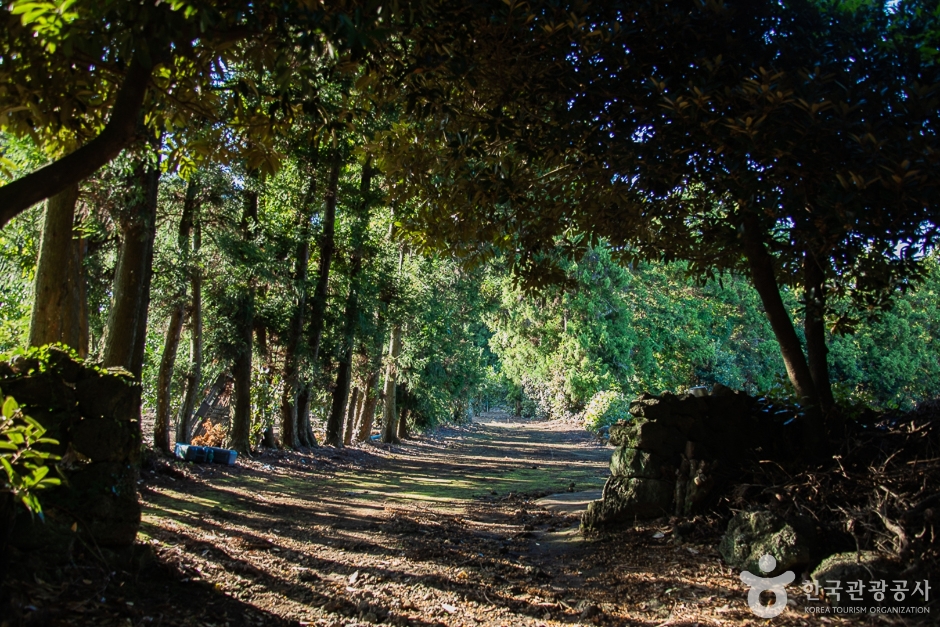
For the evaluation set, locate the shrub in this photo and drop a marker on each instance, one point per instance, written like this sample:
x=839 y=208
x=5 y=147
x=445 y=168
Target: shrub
x=605 y=408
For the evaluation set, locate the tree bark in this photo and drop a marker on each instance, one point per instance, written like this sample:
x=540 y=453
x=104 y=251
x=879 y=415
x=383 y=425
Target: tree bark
x=127 y=322
x=762 y=275
x=162 y=424
x=194 y=376
x=351 y=416
x=73 y=168
x=241 y=370
x=334 y=423
x=303 y=417
x=239 y=437
x=58 y=306
x=289 y=427
x=814 y=327
x=369 y=401
x=390 y=429
x=357 y=418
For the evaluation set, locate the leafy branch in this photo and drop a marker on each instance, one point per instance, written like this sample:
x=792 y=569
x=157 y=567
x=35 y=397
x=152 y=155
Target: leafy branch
x=25 y=465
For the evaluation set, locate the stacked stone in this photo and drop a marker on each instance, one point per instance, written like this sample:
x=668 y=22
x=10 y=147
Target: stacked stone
x=95 y=416
x=668 y=453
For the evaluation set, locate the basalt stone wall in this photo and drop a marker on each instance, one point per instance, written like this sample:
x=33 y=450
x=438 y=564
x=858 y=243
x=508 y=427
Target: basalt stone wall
x=95 y=416
x=676 y=449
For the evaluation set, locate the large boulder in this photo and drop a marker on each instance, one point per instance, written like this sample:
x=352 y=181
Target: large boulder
x=680 y=442
x=751 y=535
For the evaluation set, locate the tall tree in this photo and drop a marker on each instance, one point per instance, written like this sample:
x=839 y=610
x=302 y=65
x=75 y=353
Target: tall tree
x=194 y=375
x=334 y=427
x=318 y=305
x=163 y=423
x=290 y=436
x=126 y=333
x=244 y=327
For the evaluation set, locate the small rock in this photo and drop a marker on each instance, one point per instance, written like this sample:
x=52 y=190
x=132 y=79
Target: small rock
x=589 y=611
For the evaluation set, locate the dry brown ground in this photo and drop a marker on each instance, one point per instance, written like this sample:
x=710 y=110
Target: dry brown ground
x=443 y=530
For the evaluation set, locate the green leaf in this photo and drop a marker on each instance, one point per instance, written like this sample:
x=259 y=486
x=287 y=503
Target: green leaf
x=10 y=406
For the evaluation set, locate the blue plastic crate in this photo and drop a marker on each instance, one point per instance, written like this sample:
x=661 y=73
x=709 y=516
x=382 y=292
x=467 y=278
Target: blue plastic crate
x=223 y=456
x=205 y=454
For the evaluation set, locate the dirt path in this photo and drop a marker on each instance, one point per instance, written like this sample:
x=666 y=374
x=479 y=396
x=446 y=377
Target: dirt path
x=443 y=530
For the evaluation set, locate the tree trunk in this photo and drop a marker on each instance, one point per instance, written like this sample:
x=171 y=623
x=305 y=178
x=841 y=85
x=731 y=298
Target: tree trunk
x=327 y=247
x=75 y=167
x=127 y=322
x=334 y=423
x=58 y=306
x=161 y=428
x=241 y=369
x=351 y=416
x=194 y=376
x=390 y=430
x=762 y=275
x=814 y=327
x=357 y=418
x=403 y=419
x=289 y=428
x=369 y=401
x=305 y=430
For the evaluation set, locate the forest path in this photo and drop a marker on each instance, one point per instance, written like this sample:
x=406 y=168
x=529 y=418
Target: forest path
x=445 y=529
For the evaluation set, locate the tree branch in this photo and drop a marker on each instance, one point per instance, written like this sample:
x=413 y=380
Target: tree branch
x=49 y=180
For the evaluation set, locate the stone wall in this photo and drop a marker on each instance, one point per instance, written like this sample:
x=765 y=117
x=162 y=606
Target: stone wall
x=95 y=416
x=676 y=449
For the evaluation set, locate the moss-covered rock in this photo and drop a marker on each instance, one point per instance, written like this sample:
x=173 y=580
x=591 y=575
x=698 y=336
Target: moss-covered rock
x=855 y=566
x=751 y=535
x=626 y=499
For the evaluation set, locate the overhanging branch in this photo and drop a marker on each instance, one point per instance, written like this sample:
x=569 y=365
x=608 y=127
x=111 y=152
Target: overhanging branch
x=49 y=180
